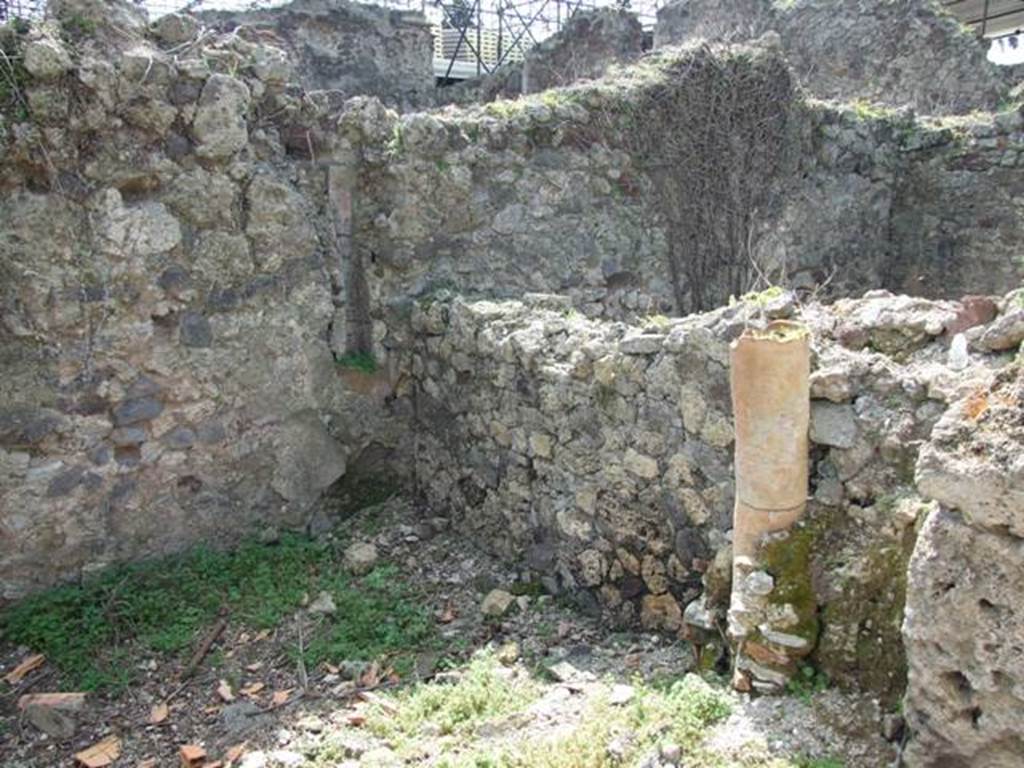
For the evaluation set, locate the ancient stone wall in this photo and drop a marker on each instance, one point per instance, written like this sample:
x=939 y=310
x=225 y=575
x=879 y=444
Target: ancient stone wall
x=564 y=442
x=568 y=191
x=209 y=274
x=965 y=618
x=900 y=52
x=493 y=203
x=599 y=454
x=955 y=208
x=555 y=192
x=222 y=296
x=725 y=21
x=345 y=48
x=169 y=303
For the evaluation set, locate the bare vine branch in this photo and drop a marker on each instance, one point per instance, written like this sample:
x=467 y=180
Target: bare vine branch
x=711 y=136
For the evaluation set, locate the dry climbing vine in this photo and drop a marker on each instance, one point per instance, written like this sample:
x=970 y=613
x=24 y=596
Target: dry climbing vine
x=712 y=135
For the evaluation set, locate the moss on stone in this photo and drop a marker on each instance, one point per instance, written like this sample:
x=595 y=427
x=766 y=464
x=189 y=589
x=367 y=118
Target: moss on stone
x=861 y=641
x=359 y=361
x=761 y=298
x=780 y=332
x=871 y=612
x=604 y=395
x=865 y=109
x=712 y=657
x=788 y=560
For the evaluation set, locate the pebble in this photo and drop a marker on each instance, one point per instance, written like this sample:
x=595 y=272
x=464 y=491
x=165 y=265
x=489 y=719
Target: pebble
x=286 y=758
x=270 y=535
x=958 y=359
x=255 y=759
x=564 y=672
x=759 y=583
x=361 y=558
x=621 y=694
x=671 y=752
x=508 y=653
x=312 y=724
x=241 y=717
x=324 y=605
x=496 y=603
x=618 y=748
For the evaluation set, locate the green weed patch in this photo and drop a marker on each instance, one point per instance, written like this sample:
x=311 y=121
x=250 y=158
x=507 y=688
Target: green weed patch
x=89 y=630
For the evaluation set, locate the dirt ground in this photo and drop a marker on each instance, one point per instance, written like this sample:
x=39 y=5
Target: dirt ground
x=250 y=703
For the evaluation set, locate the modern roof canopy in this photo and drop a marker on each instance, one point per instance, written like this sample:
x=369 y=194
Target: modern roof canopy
x=989 y=18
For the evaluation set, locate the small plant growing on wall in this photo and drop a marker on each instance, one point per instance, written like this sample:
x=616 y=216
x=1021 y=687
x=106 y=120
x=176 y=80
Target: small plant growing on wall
x=396 y=144
x=13 y=75
x=358 y=361
x=75 y=27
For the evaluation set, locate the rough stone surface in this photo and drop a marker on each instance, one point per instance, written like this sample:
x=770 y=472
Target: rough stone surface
x=191 y=268
x=1006 y=333
x=165 y=307
x=55 y=714
x=834 y=425
x=176 y=28
x=220 y=125
x=942 y=246
x=965 y=610
x=631 y=496
x=962 y=629
x=973 y=463
x=309 y=459
x=893 y=52
x=323 y=604
x=909 y=204
x=347 y=48
x=45 y=57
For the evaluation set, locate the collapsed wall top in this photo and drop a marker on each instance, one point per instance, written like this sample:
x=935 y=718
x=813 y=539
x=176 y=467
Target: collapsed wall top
x=345 y=48
x=910 y=52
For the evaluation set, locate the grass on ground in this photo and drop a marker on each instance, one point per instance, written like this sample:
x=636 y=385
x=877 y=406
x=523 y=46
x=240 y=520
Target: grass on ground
x=626 y=735
x=482 y=721
x=162 y=607
x=481 y=694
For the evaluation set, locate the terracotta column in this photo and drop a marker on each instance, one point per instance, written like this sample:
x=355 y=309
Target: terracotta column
x=771 y=407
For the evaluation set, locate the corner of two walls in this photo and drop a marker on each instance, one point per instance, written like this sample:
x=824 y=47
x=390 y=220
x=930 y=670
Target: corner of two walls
x=173 y=304
x=514 y=399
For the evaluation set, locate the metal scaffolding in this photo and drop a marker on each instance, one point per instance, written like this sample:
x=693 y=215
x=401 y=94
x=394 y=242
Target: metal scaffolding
x=475 y=37
x=21 y=9
x=988 y=18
